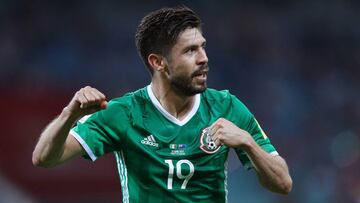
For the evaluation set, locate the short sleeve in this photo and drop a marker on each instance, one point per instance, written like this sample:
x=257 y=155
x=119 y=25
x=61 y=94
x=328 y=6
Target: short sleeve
x=246 y=121
x=101 y=132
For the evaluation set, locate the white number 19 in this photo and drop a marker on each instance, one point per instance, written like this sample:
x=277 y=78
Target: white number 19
x=178 y=172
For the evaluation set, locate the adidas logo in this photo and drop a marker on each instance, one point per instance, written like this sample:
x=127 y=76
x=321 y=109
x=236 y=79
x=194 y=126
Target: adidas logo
x=150 y=140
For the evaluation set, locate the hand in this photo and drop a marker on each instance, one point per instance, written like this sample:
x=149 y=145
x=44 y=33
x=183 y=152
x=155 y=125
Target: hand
x=227 y=133
x=86 y=101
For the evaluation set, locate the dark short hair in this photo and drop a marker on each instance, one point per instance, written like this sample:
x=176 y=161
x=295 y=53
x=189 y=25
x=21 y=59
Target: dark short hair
x=159 y=30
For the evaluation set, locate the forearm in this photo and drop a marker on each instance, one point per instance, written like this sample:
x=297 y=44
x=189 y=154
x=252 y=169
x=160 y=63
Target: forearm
x=272 y=170
x=50 y=146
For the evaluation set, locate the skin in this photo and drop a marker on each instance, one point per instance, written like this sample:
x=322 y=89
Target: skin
x=271 y=170
x=187 y=60
x=176 y=80
x=55 y=146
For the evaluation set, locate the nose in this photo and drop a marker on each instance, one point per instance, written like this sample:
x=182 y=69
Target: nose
x=202 y=57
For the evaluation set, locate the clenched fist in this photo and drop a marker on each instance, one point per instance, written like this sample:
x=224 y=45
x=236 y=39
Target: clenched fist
x=86 y=101
x=225 y=132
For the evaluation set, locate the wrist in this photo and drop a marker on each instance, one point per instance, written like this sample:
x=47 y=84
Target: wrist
x=247 y=142
x=69 y=115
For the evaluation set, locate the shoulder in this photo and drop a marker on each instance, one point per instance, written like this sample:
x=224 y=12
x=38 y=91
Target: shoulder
x=224 y=100
x=217 y=95
x=129 y=99
x=124 y=105
x=223 y=97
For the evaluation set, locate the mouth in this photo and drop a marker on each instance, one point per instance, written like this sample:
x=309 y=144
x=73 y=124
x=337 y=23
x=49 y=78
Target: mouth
x=201 y=72
x=201 y=75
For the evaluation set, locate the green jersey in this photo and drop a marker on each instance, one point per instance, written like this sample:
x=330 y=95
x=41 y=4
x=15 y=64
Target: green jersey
x=161 y=158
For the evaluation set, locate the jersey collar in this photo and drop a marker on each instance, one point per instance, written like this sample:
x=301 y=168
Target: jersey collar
x=167 y=114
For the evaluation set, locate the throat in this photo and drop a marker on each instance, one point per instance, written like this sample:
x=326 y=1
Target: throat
x=178 y=108
x=174 y=107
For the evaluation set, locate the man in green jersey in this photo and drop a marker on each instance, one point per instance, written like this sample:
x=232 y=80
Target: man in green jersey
x=171 y=138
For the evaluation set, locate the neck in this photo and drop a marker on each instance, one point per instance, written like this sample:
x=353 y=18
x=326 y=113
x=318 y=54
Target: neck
x=177 y=105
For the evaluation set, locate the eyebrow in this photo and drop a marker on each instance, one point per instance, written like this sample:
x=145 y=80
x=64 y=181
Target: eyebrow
x=192 y=46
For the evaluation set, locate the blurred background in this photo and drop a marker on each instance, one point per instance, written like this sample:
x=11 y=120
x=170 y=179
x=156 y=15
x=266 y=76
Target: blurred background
x=295 y=64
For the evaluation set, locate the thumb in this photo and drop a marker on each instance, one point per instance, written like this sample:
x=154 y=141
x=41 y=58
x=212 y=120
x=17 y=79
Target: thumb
x=103 y=104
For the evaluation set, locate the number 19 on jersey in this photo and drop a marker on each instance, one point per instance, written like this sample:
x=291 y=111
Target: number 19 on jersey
x=179 y=165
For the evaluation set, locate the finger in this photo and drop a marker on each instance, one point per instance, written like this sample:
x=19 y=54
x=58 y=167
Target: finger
x=100 y=98
x=93 y=97
x=216 y=134
x=214 y=129
x=81 y=99
x=216 y=139
x=217 y=142
x=96 y=96
x=104 y=104
x=215 y=126
x=86 y=98
x=90 y=97
x=219 y=122
x=98 y=93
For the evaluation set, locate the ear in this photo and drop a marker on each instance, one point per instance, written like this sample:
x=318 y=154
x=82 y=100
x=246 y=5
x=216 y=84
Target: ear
x=157 y=62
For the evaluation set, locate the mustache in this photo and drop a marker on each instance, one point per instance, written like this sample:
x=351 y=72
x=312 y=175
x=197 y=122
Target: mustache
x=200 y=70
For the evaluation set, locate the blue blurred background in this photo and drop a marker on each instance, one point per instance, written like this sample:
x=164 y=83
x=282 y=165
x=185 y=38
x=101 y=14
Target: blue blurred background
x=295 y=64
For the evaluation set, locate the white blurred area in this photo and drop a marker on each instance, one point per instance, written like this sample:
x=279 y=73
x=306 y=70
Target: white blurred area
x=9 y=193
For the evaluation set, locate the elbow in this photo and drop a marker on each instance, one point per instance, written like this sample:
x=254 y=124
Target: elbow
x=281 y=186
x=38 y=162
x=35 y=159
x=42 y=164
x=286 y=186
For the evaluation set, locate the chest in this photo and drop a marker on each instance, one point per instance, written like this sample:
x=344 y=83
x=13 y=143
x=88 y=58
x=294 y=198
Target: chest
x=158 y=142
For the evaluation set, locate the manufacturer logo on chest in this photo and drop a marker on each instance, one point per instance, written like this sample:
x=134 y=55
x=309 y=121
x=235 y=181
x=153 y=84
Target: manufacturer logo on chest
x=150 y=140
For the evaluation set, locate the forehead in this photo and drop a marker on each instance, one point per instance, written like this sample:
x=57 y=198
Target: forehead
x=190 y=36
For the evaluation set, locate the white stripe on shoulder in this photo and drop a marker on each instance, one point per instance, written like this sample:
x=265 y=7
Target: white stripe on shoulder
x=83 y=119
x=83 y=144
x=274 y=153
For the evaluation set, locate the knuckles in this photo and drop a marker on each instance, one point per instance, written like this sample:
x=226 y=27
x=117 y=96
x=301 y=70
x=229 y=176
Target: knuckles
x=220 y=122
x=88 y=96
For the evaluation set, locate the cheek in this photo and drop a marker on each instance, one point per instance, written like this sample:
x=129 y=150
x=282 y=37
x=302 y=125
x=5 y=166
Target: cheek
x=181 y=64
x=183 y=67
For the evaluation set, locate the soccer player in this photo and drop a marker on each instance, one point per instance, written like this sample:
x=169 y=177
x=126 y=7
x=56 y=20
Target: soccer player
x=171 y=138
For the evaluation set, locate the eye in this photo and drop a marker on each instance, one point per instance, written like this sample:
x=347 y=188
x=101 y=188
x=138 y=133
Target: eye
x=191 y=50
x=203 y=46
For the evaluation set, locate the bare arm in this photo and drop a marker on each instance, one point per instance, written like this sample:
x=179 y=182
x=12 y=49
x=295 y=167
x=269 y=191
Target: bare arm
x=55 y=146
x=272 y=170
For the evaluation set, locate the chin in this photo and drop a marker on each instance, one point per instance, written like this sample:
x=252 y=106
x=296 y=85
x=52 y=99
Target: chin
x=200 y=89
x=200 y=86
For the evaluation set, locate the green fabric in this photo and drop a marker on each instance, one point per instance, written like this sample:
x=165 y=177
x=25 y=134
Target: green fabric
x=160 y=161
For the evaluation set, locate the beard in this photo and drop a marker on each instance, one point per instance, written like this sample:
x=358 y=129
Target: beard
x=183 y=83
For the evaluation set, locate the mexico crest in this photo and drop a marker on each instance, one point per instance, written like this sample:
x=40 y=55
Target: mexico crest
x=206 y=143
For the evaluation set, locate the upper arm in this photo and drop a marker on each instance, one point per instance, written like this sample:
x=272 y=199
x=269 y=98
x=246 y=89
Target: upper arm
x=72 y=149
x=98 y=133
x=245 y=120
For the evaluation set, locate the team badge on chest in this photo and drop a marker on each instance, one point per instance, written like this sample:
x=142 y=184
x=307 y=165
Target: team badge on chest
x=207 y=144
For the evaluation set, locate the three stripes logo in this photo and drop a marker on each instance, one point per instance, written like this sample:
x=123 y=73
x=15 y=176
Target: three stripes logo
x=150 y=140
